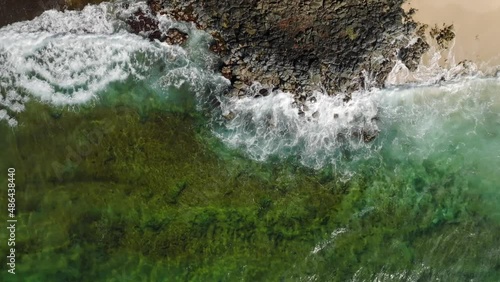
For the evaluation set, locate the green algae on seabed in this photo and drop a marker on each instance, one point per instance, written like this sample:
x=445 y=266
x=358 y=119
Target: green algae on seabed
x=148 y=188
x=116 y=192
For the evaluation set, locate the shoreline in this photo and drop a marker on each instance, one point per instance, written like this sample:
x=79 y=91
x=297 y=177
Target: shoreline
x=475 y=43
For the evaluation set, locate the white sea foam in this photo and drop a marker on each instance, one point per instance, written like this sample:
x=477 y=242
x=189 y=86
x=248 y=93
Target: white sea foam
x=331 y=132
x=319 y=247
x=423 y=101
x=68 y=58
x=440 y=66
x=271 y=126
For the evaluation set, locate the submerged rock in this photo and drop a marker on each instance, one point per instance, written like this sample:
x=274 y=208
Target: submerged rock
x=229 y=116
x=369 y=135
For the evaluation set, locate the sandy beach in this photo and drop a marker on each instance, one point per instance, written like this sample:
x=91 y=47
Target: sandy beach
x=475 y=25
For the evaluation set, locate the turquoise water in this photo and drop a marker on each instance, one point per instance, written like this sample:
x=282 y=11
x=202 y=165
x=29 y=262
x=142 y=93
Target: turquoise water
x=128 y=171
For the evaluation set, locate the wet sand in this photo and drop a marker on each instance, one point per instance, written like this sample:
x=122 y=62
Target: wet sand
x=475 y=23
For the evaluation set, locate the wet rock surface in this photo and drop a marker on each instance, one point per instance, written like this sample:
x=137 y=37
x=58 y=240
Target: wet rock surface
x=411 y=54
x=336 y=46
x=301 y=46
x=145 y=24
x=443 y=36
x=176 y=37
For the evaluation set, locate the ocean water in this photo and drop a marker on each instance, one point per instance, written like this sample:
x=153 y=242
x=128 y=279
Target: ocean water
x=127 y=170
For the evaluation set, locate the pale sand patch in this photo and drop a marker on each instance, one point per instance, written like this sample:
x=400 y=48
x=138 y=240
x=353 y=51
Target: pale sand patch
x=476 y=23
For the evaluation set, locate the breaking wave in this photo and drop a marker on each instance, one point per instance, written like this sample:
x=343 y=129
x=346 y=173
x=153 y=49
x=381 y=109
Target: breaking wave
x=69 y=58
x=415 y=120
x=271 y=125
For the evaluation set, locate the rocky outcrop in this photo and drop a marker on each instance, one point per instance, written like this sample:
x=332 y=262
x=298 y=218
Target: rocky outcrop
x=411 y=54
x=146 y=25
x=176 y=37
x=335 y=46
x=443 y=36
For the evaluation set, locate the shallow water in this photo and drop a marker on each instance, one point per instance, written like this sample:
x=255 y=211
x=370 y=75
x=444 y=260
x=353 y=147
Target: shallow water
x=135 y=175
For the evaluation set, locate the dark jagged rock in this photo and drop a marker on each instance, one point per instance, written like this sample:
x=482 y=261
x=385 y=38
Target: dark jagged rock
x=181 y=11
x=154 y=6
x=443 y=36
x=226 y=72
x=176 y=37
x=146 y=24
x=264 y=92
x=298 y=45
x=304 y=45
x=411 y=55
x=218 y=45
